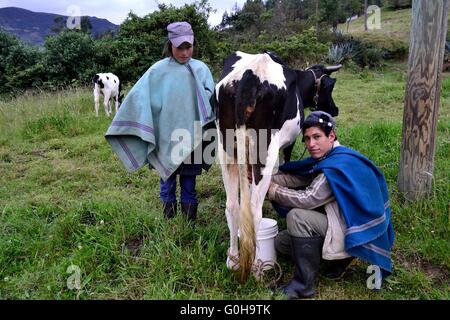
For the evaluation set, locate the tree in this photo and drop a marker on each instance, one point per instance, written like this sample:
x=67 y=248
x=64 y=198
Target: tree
x=86 y=25
x=331 y=13
x=19 y=64
x=248 y=18
x=132 y=55
x=400 y=4
x=422 y=94
x=7 y=42
x=365 y=15
x=69 y=56
x=317 y=16
x=59 y=24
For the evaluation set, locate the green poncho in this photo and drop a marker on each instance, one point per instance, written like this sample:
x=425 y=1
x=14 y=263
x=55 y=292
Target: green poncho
x=166 y=101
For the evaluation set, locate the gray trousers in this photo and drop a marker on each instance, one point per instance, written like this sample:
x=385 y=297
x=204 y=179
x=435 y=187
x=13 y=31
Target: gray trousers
x=301 y=223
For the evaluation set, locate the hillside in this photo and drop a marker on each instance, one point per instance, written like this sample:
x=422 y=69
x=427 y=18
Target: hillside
x=394 y=25
x=33 y=27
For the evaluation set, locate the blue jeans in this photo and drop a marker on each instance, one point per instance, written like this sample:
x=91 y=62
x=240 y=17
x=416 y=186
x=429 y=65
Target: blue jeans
x=187 y=183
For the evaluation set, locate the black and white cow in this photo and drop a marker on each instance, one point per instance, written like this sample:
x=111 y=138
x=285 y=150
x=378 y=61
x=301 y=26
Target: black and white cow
x=108 y=85
x=261 y=101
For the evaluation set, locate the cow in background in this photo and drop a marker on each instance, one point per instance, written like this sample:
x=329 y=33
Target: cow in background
x=259 y=93
x=108 y=85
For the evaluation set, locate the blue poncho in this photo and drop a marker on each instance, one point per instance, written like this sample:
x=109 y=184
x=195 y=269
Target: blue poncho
x=169 y=98
x=362 y=194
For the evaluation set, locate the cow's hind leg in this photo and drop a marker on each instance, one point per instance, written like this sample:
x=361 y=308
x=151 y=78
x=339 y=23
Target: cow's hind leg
x=116 y=102
x=107 y=105
x=230 y=175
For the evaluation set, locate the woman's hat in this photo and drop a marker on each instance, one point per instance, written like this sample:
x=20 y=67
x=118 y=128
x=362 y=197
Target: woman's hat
x=180 y=32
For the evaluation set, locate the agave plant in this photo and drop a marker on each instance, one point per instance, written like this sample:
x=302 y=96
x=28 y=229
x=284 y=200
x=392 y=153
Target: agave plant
x=337 y=53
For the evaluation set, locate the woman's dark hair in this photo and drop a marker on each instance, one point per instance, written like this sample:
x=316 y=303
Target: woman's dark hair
x=167 y=51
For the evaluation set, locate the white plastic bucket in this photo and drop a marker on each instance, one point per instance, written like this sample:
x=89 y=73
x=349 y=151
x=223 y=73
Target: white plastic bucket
x=265 y=243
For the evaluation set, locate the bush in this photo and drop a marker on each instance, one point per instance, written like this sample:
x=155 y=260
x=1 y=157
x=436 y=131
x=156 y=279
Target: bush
x=338 y=53
x=69 y=58
x=296 y=50
x=400 y=4
x=130 y=55
x=393 y=48
x=19 y=64
x=368 y=50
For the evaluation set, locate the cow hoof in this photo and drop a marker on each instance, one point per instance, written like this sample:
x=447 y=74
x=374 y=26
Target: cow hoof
x=232 y=265
x=232 y=261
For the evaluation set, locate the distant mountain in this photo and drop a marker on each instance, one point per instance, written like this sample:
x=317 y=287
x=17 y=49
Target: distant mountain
x=33 y=27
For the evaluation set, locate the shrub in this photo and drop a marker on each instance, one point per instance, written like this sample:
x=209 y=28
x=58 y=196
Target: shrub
x=399 y=4
x=140 y=41
x=338 y=53
x=69 y=58
x=19 y=65
x=296 y=50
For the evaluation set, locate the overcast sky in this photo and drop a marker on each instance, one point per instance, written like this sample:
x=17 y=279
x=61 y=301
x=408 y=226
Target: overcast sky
x=114 y=10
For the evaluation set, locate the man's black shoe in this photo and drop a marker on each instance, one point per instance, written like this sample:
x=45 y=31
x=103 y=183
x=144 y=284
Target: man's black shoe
x=335 y=269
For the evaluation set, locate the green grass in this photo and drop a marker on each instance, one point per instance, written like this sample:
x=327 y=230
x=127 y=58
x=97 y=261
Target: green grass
x=393 y=36
x=395 y=24
x=65 y=199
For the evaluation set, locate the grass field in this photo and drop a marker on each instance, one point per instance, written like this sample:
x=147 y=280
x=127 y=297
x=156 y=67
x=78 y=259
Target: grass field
x=66 y=200
x=394 y=25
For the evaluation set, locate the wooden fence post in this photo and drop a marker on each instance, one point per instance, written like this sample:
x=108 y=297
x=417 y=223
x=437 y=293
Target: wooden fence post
x=422 y=97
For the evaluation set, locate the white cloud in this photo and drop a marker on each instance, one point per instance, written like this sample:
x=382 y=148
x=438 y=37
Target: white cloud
x=116 y=10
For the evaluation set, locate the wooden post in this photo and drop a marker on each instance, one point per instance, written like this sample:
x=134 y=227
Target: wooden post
x=422 y=97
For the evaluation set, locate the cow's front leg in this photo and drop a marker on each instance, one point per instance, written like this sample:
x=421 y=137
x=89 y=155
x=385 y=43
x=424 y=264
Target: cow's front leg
x=97 y=103
x=259 y=190
x=257 y=199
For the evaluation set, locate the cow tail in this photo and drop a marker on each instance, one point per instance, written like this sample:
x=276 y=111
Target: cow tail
x=247 y=236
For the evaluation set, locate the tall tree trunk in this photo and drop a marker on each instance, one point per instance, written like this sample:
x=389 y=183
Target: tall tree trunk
x=422 y=97
x=317 y=16
x=365 y=15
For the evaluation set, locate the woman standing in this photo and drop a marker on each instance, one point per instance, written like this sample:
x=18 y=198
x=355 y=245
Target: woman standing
x=171 y=100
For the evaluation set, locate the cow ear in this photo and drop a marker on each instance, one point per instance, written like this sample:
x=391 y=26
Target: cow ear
x=330 y=70
x=328 y=82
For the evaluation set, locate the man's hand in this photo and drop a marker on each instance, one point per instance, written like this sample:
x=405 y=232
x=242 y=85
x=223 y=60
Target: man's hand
x=249 y=173
x=271 y=192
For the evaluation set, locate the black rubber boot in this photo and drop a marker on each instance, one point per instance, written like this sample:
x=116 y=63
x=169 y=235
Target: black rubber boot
x=306 y=253
x=170 y=209
x=190 y=210
x=335 y=269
